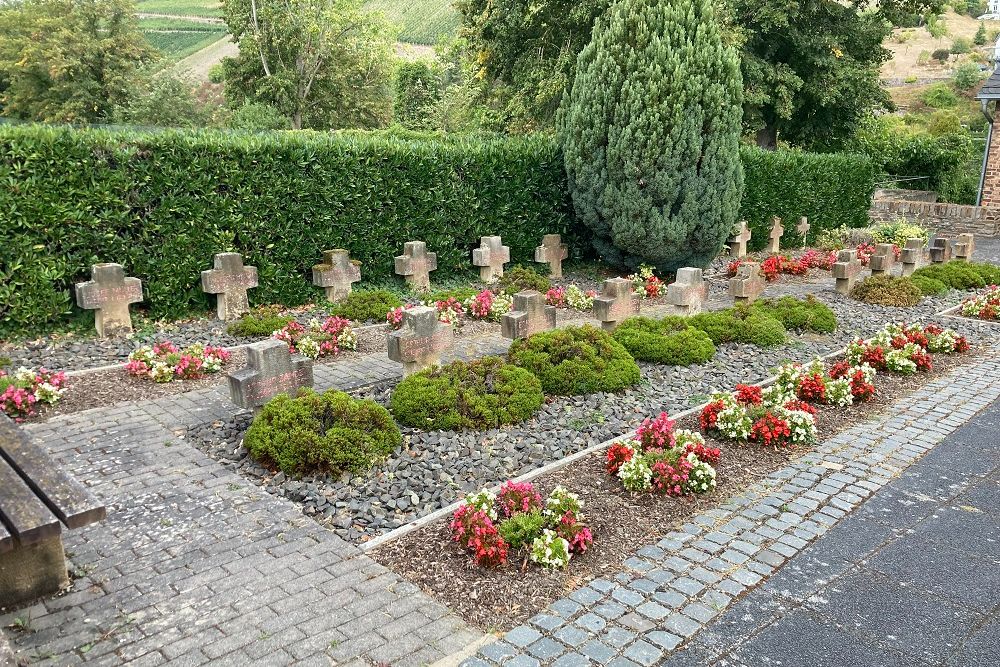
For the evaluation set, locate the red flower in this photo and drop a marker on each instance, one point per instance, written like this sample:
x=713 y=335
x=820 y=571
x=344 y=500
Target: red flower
x=961 y=344
x=923 y=360
x=517 y=497
x=861 y=389
x=748 y=394
x=709 y=414
x=801 y=406
x=874 y=355
x=669 y=477
x=771 y=267
x=618 y=454
x=812 y=388
x=656 y=433
x=710 y=455
x=771 y=430
x=840 y=369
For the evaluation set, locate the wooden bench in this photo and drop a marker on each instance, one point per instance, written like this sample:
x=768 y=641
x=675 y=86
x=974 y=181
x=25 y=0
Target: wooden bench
x=37 y=500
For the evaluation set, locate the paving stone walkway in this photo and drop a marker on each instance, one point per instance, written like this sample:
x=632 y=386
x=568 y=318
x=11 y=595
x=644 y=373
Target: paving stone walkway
x=670 y=592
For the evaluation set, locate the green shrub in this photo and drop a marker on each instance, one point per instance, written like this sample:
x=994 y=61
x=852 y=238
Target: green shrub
x=460 y=293
x=366 y=305
x=326 y=433
x=961 y=45
x=667 y=341
x=485 y=393
x=941 y=55
x=740 y=325
x=886 y=290
x=522 y=278
x=928 y=286
x=261 y=321
x=808 y=315
x=521 y=529
x=763 y=331
x=939 y=96
x=961 y=275
x=5 y=362
x=576 y=360
x=899 y=231
x=967 y=75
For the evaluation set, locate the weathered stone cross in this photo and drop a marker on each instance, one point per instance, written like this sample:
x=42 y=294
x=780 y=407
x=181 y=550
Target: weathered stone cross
x=774 y=240
x=421 y=341
x=490 y=257
x=336 y=274
x=552 y=251
x=616 y=303
x=883 y=259
x=229 y=281
x=416 y=264
x=271 y=370
x=529 y=315
x=803 y=228
x=686 y=295
x=940 y=250
x=911 y=255
x=738 y=240
x=109 y=292
x=747 y=284
x=846 y=270
x=965 y=245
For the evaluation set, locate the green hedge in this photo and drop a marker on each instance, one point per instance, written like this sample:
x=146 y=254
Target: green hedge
x=832 y=189
x=163 y=203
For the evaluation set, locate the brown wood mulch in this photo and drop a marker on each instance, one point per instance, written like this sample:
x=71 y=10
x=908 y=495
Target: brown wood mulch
x=622 y=522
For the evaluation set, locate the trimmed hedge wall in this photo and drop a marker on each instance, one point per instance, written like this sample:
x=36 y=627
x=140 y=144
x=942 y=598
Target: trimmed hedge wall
x=162 y=204
x=832 y=189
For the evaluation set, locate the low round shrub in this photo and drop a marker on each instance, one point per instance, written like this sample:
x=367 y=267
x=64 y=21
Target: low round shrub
x=329 y=432
x=802 y=315
x=522 y=278
x=521 y=529
x=741 y=324
x=479 y=394
x=576 y=360
x=366 y=305
x=262 y=321
x=962 y=275
x=667 y=341
x=886 y=290
x=928 y=286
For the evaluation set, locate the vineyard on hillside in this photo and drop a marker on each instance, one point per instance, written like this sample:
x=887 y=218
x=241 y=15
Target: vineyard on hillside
x=420 y=21
x=205 y=8
x=178 y=38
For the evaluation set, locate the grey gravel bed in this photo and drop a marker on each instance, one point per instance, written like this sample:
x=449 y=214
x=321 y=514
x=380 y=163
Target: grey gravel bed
x=433 y=469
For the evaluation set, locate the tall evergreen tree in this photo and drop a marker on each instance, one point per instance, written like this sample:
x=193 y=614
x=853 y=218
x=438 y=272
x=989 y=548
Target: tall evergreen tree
x=651 y=130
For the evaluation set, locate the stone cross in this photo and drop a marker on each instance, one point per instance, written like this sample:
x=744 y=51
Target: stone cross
x=616 y=303
x=774 y=240
x=529 y=315
x=803 y=228
x=336 y=274
x=965 y=245
x=940 y=250
x=109 y=292
x=747 y=284
x=416 y=264
x=421 y=341
x=686 y=295
x=490 y=257
x=846 y=270
x=229 y=281
x=271 y=370
x=911 y=255
x=552 y=251
x=738 y=240
x=883 y=259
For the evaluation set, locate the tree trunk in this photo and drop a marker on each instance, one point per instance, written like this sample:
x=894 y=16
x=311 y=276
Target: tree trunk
x=767 y=137
x=297 y=120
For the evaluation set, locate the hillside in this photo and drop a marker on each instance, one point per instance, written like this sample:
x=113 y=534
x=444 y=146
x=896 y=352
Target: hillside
x=419 y=21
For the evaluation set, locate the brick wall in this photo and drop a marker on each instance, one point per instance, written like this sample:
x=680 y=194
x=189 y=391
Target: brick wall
x=991 y=180
x=949 y=219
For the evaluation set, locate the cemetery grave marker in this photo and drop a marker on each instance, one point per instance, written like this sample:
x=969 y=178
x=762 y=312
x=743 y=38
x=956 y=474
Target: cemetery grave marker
x=529 y=315
x=490 y=257
x=803 y=229
x=965 y=245
x=911 y=255
x=616 y=303
x=552 y=251
x=416 y=264
x=738 y=240
x=336 y=273
x=940 y=251
x=419 y=344
x=109 y=292
x=229 y=281
x=846 y=270
x=687 y=294
x=747 y=284
x=774 y=239
x=883 y=259
x=271 y=370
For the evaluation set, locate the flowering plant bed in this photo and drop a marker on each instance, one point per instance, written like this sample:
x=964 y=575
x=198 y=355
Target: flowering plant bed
x=571 y=297
x=25 y=389
x=645 y=284
x=772 y=267
x=905 y=348
x=487 y=305
x=319 y=339
x=165 y=362
x=985 y=306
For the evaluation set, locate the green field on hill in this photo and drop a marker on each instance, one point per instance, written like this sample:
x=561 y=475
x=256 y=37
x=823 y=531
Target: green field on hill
x=178 y=38
x=420 y=21
x=207 y=8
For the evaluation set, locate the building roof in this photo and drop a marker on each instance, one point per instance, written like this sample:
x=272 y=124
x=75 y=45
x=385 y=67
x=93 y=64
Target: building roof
x=990 y=89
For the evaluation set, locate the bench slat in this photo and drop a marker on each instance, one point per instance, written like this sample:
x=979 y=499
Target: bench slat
x=26 y=516
x=67 y=498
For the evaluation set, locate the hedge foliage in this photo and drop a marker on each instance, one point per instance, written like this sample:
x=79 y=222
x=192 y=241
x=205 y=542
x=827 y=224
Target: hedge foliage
x=961 y=275
x=665 y=341
x=163 y=203
x=886 y=290
x=831 y=189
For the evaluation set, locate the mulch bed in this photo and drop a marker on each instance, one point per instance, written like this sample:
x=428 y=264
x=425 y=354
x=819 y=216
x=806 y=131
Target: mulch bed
x=622 y=522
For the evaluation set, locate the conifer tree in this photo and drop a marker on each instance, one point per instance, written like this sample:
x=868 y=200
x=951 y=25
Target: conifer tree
x=651 y=129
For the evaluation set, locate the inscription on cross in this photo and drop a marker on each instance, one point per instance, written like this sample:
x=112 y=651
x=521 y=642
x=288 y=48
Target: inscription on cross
x=490 y=257
x=271 y=370
x=421 y=341
x=738 y=240
x=883 y=259
x=940 y=250
x=336 y=273
x=846 y=270
x=552 y=251
x=229 y=282
x=803 y=229
x=686 y=295
x=616 y=303
x=774 y=239
x=911 y=255
x=109 y=292
x=529 y=316
x=416 y=264
x=747 y=284
x=965 y=245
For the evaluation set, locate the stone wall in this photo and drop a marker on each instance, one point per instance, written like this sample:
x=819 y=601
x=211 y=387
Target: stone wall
x=946 y=218
x=991 y=177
